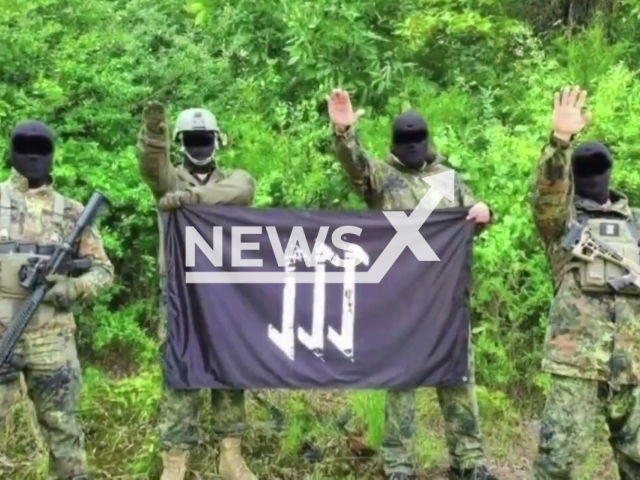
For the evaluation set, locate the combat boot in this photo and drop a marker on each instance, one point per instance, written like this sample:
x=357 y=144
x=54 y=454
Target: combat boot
x=400 y=476
x=478 y=473
x=174 y=464
x=232 y=465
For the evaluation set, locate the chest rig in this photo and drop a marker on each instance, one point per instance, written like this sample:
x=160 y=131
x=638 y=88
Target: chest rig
x=620 y=235
x=15 y=253
x=403 y=189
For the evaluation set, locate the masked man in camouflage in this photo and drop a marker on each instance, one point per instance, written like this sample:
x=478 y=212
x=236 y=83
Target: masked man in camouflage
x=32 y=212
x=397 y=185
x=197 y=180
x=592 y=345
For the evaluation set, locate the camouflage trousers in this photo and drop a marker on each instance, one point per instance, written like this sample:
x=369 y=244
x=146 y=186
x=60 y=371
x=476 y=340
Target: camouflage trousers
x=459 y=407
x=179 y=415
x=54 y=382
x=179 y=425
x=567 y=425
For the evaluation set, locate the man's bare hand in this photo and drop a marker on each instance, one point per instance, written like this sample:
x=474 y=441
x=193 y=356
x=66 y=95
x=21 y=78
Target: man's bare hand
x=341 y=111
x=155 y=117
x=569 y=117
x=479 y=213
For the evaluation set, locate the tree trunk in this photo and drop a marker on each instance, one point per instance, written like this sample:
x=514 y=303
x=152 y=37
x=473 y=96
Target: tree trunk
x=570 y=15
x=581 y=12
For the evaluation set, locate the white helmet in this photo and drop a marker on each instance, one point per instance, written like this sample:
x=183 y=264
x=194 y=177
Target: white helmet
x=197 y=120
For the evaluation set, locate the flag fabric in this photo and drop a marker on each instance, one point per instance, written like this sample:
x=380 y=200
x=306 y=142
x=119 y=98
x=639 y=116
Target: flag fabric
x=298 y=316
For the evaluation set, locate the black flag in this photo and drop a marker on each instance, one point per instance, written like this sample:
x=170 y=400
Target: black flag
x=324 y=299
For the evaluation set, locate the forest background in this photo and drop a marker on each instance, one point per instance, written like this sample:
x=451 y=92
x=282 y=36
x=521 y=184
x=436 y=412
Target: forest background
x=483 y=72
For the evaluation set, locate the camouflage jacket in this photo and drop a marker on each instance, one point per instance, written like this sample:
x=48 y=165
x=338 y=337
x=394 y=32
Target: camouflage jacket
x=592 y=336
x=232 y=186
x=45 y=217
x=390 y=185
x=554 y=205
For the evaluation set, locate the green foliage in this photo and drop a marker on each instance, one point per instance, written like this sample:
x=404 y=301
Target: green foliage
x=482 y=79
x=475 y=68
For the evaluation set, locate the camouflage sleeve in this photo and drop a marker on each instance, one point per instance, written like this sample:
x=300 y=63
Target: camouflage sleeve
x=154 y=162
x=101 y=274
x=363 y=171
x=551 y=197
x=237 y=188
x=467 y=199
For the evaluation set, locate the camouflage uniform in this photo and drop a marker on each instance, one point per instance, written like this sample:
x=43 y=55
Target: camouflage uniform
x=591 y=345
x=179 y=422
x=391 y=186
x=46 y=352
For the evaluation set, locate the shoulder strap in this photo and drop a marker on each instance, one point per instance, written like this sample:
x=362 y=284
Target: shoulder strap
x=58 y=208
x=5 y=212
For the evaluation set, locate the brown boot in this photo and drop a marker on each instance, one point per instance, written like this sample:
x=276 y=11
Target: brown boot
x=174 y=465
x=232 y=465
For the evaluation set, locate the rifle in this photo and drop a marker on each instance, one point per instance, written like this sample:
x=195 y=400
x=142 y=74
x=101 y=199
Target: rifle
x=63 y=261
x=581 y=243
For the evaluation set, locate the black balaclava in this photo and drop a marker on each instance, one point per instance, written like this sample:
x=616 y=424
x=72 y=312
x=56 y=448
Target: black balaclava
x=198 y=148
x=31 y=152
x=592 y=163
x=410 y=140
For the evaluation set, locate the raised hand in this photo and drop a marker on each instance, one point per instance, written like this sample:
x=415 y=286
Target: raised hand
x=568 y=115
x=340 y=109
x=155 y=117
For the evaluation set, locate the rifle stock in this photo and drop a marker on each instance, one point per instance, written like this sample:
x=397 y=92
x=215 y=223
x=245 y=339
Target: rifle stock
x=581 y=244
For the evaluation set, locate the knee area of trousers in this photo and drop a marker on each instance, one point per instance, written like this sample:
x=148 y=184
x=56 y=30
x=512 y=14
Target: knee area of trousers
x=9 y=376
x=547 y=432
x=60 y=390
x=11 y=370
x=628 y=447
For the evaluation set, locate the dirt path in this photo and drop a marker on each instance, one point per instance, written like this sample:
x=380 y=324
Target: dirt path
x=516 y=461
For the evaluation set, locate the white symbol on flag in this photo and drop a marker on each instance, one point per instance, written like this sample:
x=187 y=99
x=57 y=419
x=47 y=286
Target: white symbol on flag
x=314 y=341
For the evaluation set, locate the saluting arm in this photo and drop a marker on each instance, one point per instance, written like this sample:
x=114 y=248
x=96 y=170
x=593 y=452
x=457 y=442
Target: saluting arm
x=551 y=198
x=358 y=165
x=154 y=160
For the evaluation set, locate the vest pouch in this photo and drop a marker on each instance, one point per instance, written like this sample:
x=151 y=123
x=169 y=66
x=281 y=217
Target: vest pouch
x=615 y=234
x=12 y=295
x=592 y=276
x=10 y=266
